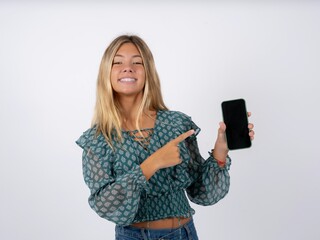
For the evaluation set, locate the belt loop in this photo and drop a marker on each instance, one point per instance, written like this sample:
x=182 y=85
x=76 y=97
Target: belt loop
x=179 y=223
x=188 y=231
x=145 y=237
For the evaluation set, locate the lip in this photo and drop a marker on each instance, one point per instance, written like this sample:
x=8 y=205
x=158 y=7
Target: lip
x=127 y=80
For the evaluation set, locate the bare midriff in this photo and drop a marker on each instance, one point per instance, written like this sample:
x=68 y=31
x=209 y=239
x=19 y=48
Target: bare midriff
x=163 y=223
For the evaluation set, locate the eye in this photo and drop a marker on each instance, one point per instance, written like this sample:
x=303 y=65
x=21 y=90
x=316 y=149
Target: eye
x=137 y=63
x=116 y=63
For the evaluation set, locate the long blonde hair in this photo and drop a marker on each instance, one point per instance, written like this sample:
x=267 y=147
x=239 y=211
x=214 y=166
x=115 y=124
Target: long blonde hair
x=107 y=115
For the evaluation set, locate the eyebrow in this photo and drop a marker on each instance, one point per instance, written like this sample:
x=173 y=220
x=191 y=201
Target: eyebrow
x=134 y=56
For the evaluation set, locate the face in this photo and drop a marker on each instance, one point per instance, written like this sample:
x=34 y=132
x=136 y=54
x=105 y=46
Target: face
x=127 y=73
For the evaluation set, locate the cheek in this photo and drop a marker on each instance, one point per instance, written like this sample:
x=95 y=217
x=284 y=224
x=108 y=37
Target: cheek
x=142 y=74
x=113 y=76
x=113 y=82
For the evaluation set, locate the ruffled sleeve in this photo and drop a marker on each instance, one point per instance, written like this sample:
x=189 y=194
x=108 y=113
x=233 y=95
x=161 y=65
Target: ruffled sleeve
x=113 y=197
x=210 y=182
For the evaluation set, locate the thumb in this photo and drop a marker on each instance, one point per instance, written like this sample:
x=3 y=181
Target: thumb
x=222 y=128
x=183 y=136
x=222 y=131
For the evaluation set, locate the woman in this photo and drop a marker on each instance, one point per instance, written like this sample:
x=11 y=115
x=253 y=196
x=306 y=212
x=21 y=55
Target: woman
x=140 y=160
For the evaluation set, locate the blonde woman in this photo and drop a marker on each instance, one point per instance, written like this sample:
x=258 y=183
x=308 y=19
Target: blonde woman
x=141 y=161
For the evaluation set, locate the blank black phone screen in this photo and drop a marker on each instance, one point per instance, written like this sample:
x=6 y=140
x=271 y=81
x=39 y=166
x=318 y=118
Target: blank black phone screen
x=236 y=119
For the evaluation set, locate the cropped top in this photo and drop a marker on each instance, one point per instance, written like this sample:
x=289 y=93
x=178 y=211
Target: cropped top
x=120 y=193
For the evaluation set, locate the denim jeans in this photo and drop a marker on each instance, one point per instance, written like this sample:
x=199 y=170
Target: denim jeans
x=185 y=232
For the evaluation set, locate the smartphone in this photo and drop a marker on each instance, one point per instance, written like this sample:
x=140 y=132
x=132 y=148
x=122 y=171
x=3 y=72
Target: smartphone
x=235 y=117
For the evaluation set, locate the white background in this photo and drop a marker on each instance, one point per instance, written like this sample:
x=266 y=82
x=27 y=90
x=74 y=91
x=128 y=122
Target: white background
x=267 y=53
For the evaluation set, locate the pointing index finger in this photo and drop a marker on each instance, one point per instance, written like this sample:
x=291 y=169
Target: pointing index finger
x=183 y=136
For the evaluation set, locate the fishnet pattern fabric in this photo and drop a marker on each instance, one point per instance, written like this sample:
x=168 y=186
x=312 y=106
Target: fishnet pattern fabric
x=119 y=191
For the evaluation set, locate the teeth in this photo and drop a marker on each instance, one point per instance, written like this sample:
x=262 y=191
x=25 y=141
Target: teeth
x=127 y=80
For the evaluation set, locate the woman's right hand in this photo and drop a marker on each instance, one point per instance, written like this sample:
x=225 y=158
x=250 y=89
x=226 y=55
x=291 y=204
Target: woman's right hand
x=167 y=156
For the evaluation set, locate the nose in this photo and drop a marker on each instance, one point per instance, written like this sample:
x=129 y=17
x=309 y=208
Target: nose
x=127 y=68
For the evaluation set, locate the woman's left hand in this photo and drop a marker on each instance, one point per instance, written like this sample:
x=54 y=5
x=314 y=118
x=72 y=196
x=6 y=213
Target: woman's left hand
x=221 y=150
x=250 y=126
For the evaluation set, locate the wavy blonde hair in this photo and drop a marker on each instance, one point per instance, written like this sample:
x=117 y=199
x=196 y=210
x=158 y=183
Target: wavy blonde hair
x=107 y=114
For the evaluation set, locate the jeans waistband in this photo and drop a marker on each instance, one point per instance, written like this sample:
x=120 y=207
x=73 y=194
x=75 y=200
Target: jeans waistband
x=186 y=231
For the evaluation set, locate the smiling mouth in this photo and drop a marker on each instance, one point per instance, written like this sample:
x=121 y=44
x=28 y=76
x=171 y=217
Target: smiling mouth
x=127 y=80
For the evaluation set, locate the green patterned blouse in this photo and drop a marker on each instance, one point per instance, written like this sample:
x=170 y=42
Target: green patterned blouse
x=119 y=191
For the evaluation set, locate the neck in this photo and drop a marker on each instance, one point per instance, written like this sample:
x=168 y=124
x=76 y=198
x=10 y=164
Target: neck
x=130 y=106
x=129 y=111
